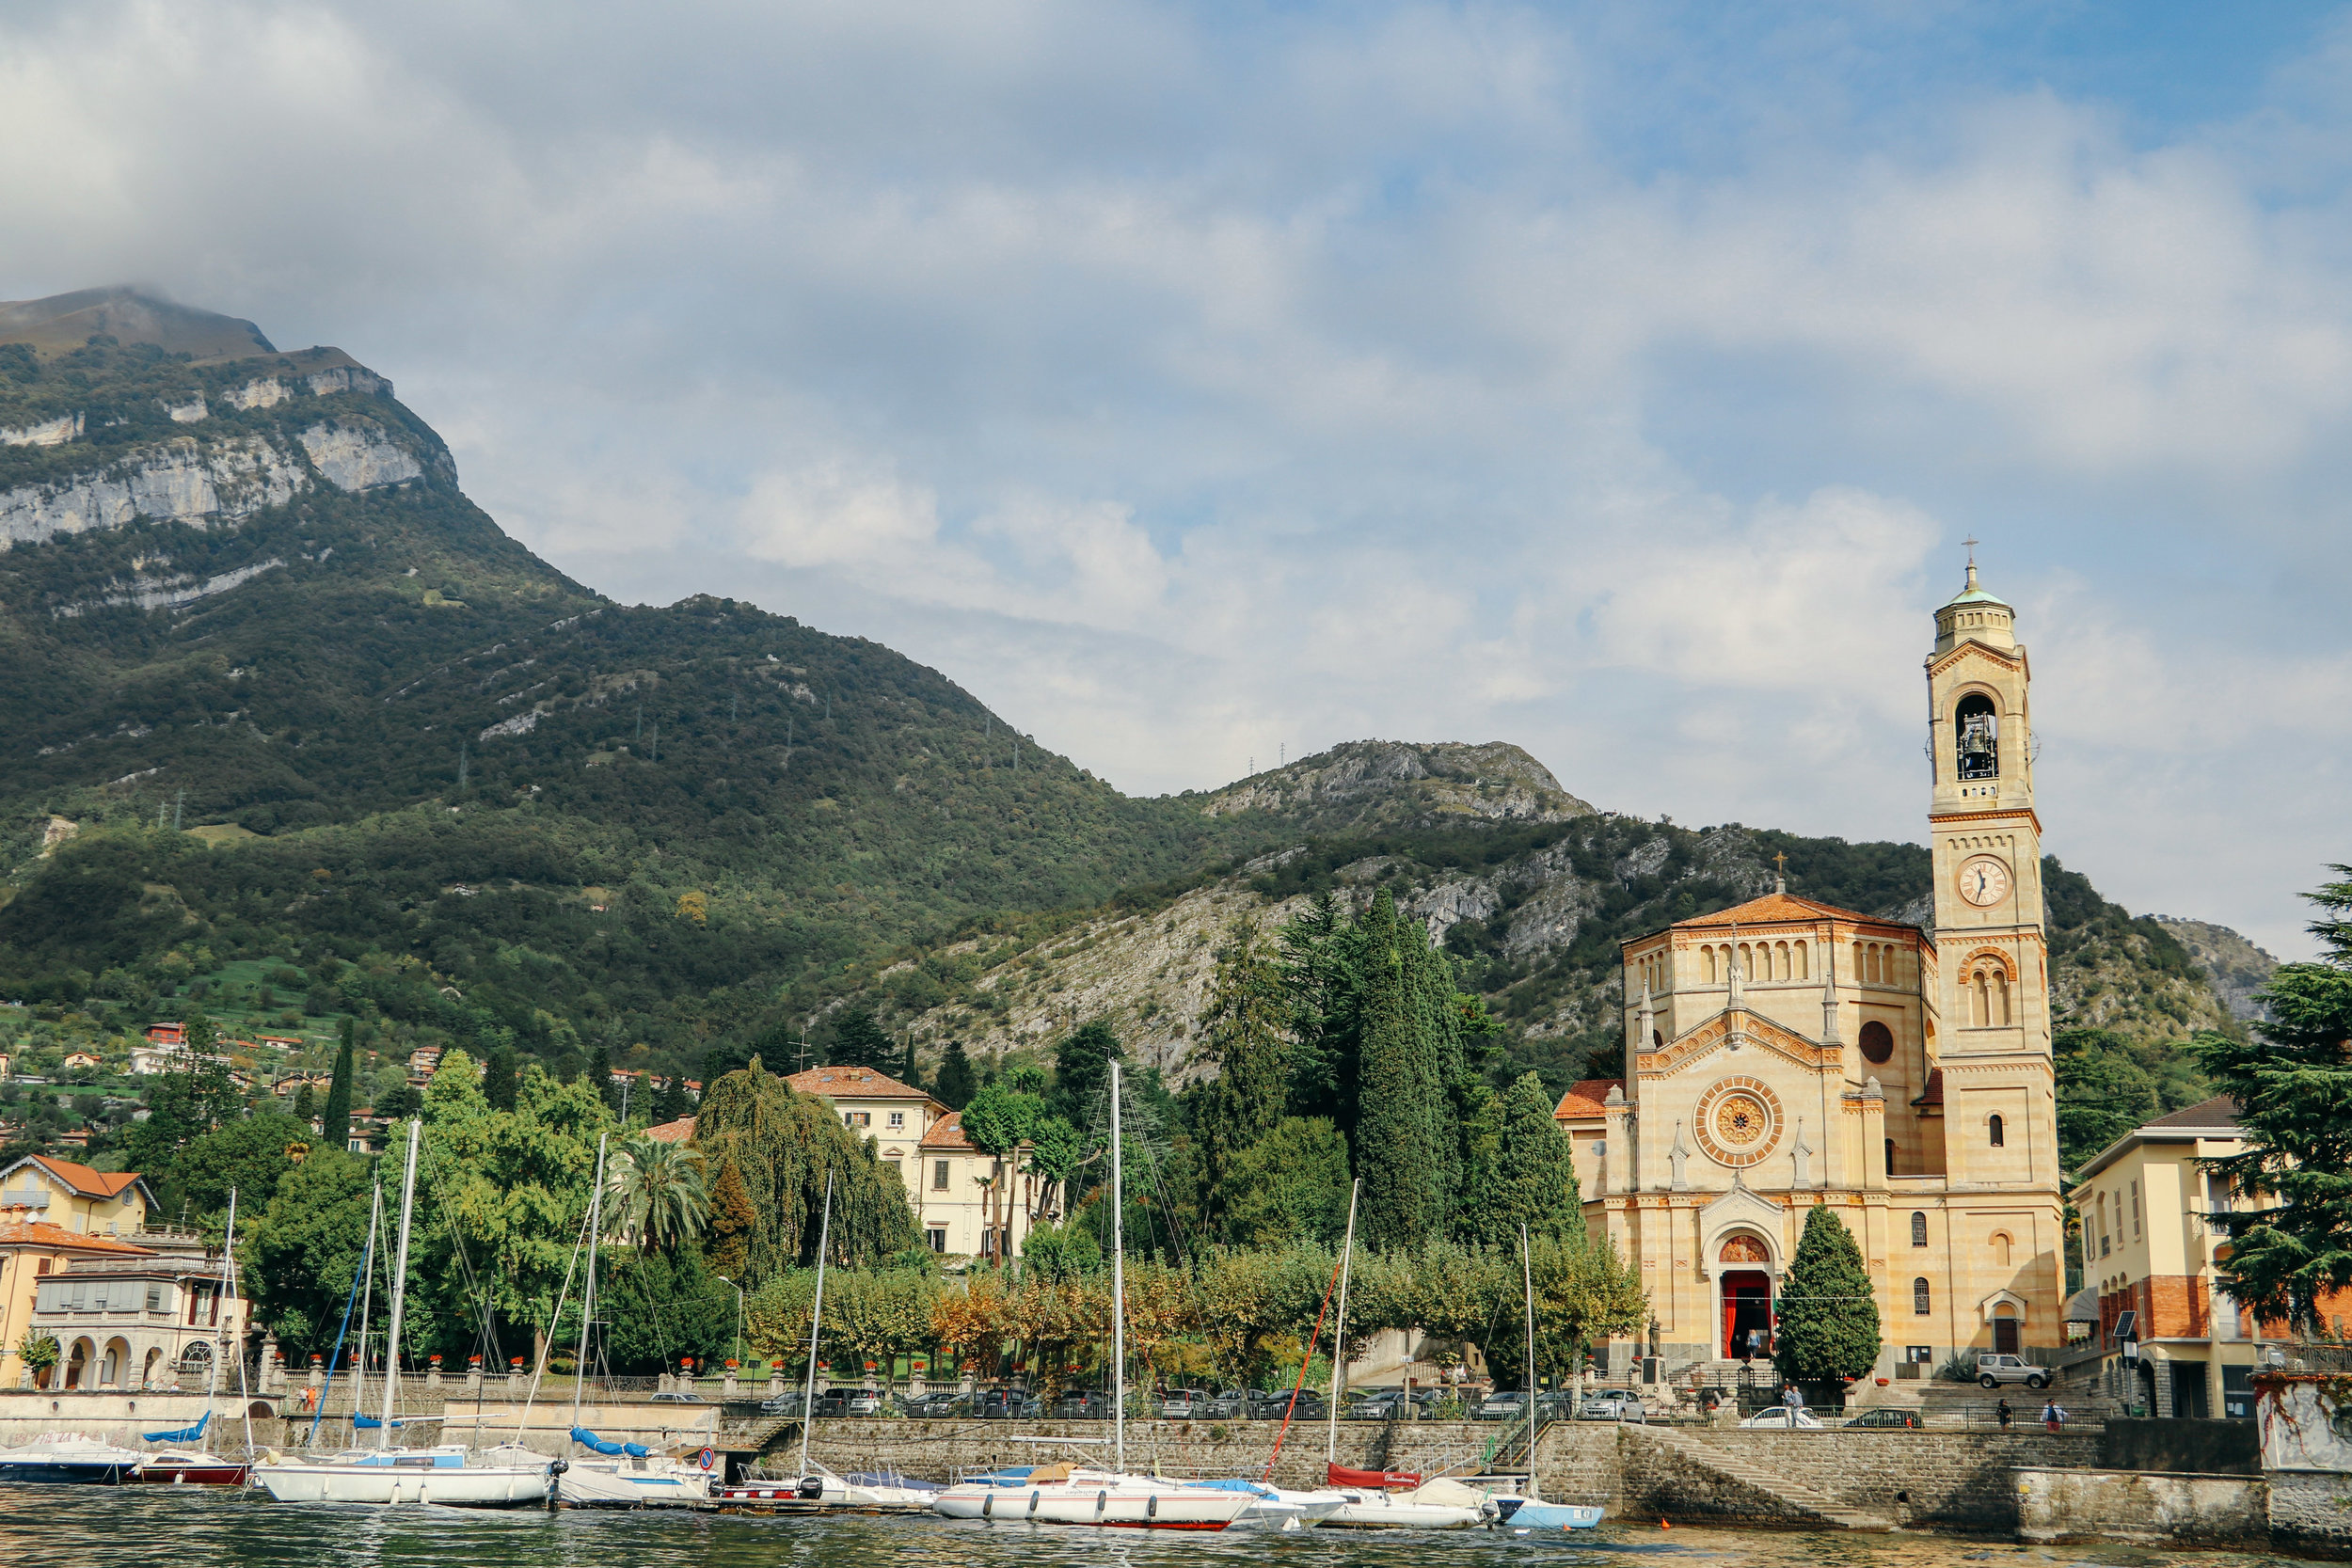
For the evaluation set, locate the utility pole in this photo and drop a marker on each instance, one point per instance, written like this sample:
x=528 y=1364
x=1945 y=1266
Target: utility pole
x=178 y=806
x=461 y=767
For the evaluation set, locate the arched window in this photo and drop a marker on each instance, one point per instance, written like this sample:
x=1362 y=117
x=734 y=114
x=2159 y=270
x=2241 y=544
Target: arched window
x=1805 y=968
x=1918 y=1230
x=1993 y=1125
x=2000 y=1250
x=1878 y=1043
x=1780 y=960
x=1919 y=1302
x=1878 y=964
x=1982 y=1009
x=1709 y=952
x=1860 y=973
x=1890 y=1156
x=2000 y=994
x=1977 y=737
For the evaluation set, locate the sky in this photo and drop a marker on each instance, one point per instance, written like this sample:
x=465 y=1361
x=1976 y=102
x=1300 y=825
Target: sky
x=1203 y=386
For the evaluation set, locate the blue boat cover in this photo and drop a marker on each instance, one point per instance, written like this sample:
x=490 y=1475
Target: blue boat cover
x=1236 y=1483
x=595 y=1444
x=370 y=1423
x=184 y=1434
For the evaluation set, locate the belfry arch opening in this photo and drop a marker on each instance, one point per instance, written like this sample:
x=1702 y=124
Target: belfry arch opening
x=1977 y=737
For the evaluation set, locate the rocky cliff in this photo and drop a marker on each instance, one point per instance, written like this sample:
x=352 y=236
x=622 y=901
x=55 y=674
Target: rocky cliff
x=1385 y=783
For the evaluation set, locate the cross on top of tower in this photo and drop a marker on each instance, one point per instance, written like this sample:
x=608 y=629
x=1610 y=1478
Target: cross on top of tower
x=1971 y=543
x=1780 y=863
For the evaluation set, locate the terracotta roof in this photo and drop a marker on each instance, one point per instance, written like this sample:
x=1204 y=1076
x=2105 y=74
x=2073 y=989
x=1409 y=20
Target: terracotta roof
x=1933 y=1093
x=89 y=1182
x=675 y=1132
x=852 y=1083
x=2221 y=1111
x=41 y=1233
x=946 y=1133
x=1776 y=907
x=1586 y=1100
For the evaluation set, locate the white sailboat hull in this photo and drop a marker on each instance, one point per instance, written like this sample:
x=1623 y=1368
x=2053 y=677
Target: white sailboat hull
x=397 y=1476
x=1097 y=1499
x=1383 y=1511
x=631 y=1483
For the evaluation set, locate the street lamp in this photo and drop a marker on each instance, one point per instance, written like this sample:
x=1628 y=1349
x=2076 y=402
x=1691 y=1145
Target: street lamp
x=739 y=1314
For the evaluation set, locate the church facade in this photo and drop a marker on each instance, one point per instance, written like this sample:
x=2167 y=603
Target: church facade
x=1787 y=1053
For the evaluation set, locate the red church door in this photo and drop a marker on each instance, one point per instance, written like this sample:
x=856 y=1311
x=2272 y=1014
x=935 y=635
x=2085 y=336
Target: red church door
x=1747 y=1306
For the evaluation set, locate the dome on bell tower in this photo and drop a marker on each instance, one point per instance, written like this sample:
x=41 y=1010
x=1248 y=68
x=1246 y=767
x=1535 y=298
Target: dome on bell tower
x=1974 y=614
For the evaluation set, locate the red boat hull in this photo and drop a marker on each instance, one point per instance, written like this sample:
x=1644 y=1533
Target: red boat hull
x=193 y=1475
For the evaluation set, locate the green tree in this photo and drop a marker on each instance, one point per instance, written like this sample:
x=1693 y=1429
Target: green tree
x=335 y=1124
x=601 y=1079
x=656 y=1193
x=39 y=1350
x=859 y=1041
x=661 y=1307
x=1829 y=1310
x=305 y=1107
x=997 y=1122
x=246 y=1156
x=194 y=1097
x=2102 y=1092
x=1082 y=1070
x=1289 y=1187
x=1400 y=1150
x=301 y=1259
x=1055 y=1253
x=498 y=1077
x=1056 y=1150
x=1534 y=1179
x=956 y=1084
x=787 y=1145
x=732 y=1220
x=2292 y=1246
x=1245 y=1028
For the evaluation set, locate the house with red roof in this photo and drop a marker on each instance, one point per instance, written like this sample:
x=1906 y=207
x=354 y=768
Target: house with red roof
x=75 y=1197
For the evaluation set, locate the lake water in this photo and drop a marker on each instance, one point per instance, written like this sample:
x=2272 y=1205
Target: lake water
x=105 y=1526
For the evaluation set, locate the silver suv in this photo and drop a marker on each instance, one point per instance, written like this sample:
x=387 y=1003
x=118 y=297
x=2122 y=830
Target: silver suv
x=1994 y=1371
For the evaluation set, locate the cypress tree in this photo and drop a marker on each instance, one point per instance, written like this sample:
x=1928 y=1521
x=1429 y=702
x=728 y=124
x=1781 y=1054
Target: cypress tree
x=671 y=1100
x=956 y=1087
x=1243 y=1027
x=335 y=1126
x=1398 y=1152
x=600 y=1078
x=1829 y=1312
x=498 y=1077
x=1535 y=1178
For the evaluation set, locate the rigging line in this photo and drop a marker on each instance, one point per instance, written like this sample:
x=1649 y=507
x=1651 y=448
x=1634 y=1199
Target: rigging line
x=547 y=1345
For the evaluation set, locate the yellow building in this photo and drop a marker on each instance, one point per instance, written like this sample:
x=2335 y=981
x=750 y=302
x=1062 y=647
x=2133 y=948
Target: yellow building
x=2148 y=1253
x=1787 y=1053
x=32 y=1252
x=75 y=1197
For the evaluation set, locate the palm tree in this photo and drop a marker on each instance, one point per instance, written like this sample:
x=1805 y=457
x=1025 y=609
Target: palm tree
x=656 y=1193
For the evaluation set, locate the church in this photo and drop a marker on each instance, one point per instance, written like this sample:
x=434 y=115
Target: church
x=1787 y=1053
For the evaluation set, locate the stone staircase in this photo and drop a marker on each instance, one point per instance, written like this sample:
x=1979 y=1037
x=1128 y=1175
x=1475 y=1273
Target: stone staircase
x=1800 y=1503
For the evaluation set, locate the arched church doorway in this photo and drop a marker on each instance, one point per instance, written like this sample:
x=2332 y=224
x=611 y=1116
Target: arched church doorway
x=1747 y=1298
x=2004 y=1329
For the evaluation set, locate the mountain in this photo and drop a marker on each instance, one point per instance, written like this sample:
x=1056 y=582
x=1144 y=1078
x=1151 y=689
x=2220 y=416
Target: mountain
x=291 y=719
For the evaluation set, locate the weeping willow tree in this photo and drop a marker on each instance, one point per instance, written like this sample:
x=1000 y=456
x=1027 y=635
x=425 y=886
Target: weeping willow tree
x=784 y=1145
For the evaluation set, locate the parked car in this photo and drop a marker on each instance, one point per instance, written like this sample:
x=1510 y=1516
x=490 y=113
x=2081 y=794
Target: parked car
x=681 y=1397
x=1083 y=1405
x=1183 y=1404
x=1000 y=1404
x=1994 y=1371
x=1278 y=1404
x=1233 y=1404
x=1781 y=1415
x=1614 y=1405
x=1887 y=1419
x=782 y=1405
x=1504 y=1404
x=936 y=1407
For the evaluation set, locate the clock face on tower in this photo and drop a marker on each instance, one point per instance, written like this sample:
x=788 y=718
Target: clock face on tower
x=1984 y=880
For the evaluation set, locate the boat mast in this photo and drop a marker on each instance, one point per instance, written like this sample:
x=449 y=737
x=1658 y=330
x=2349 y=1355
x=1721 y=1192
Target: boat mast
x=229 y=1273
x=212 y=1379
x=400 y=1286
x=367 y=1306
x=588 y=1296
x=1339 y=1335
x=1527 y=1276
x=815 y=1316
x=1119 y=1293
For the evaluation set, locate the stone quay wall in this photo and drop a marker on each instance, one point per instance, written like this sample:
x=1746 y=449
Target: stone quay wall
x=2157 y=1507
x=2310 y=1511
x=1951 y=1480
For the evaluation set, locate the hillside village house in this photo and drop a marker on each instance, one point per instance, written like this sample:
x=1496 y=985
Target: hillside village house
x=2149 y=1257
x=948 y=1183
x=75 y=1197
x=1787 y=1053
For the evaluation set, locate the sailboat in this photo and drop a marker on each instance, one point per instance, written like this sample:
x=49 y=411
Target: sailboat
x=817 y=1489
x=445 y=1473
x=185 y=1461
x=1368 y=1499
x=1072 y=1493
x=1524 y=1511
x=618 y=1475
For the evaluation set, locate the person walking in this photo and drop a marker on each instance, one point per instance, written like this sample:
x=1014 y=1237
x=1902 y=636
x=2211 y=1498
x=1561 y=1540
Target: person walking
x=2054 y=1416
x=2005 y=1415
x=1792 y=1395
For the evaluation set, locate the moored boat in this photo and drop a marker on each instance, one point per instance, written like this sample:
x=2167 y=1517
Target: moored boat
x=1439 y=1504
x=68 y=1459
x=1528 y=1514
x=1074 y=1495
x=447 y=1474
x=189 y=1468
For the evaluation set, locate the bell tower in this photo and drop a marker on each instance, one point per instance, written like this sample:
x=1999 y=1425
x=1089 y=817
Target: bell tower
x=1991 y=989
